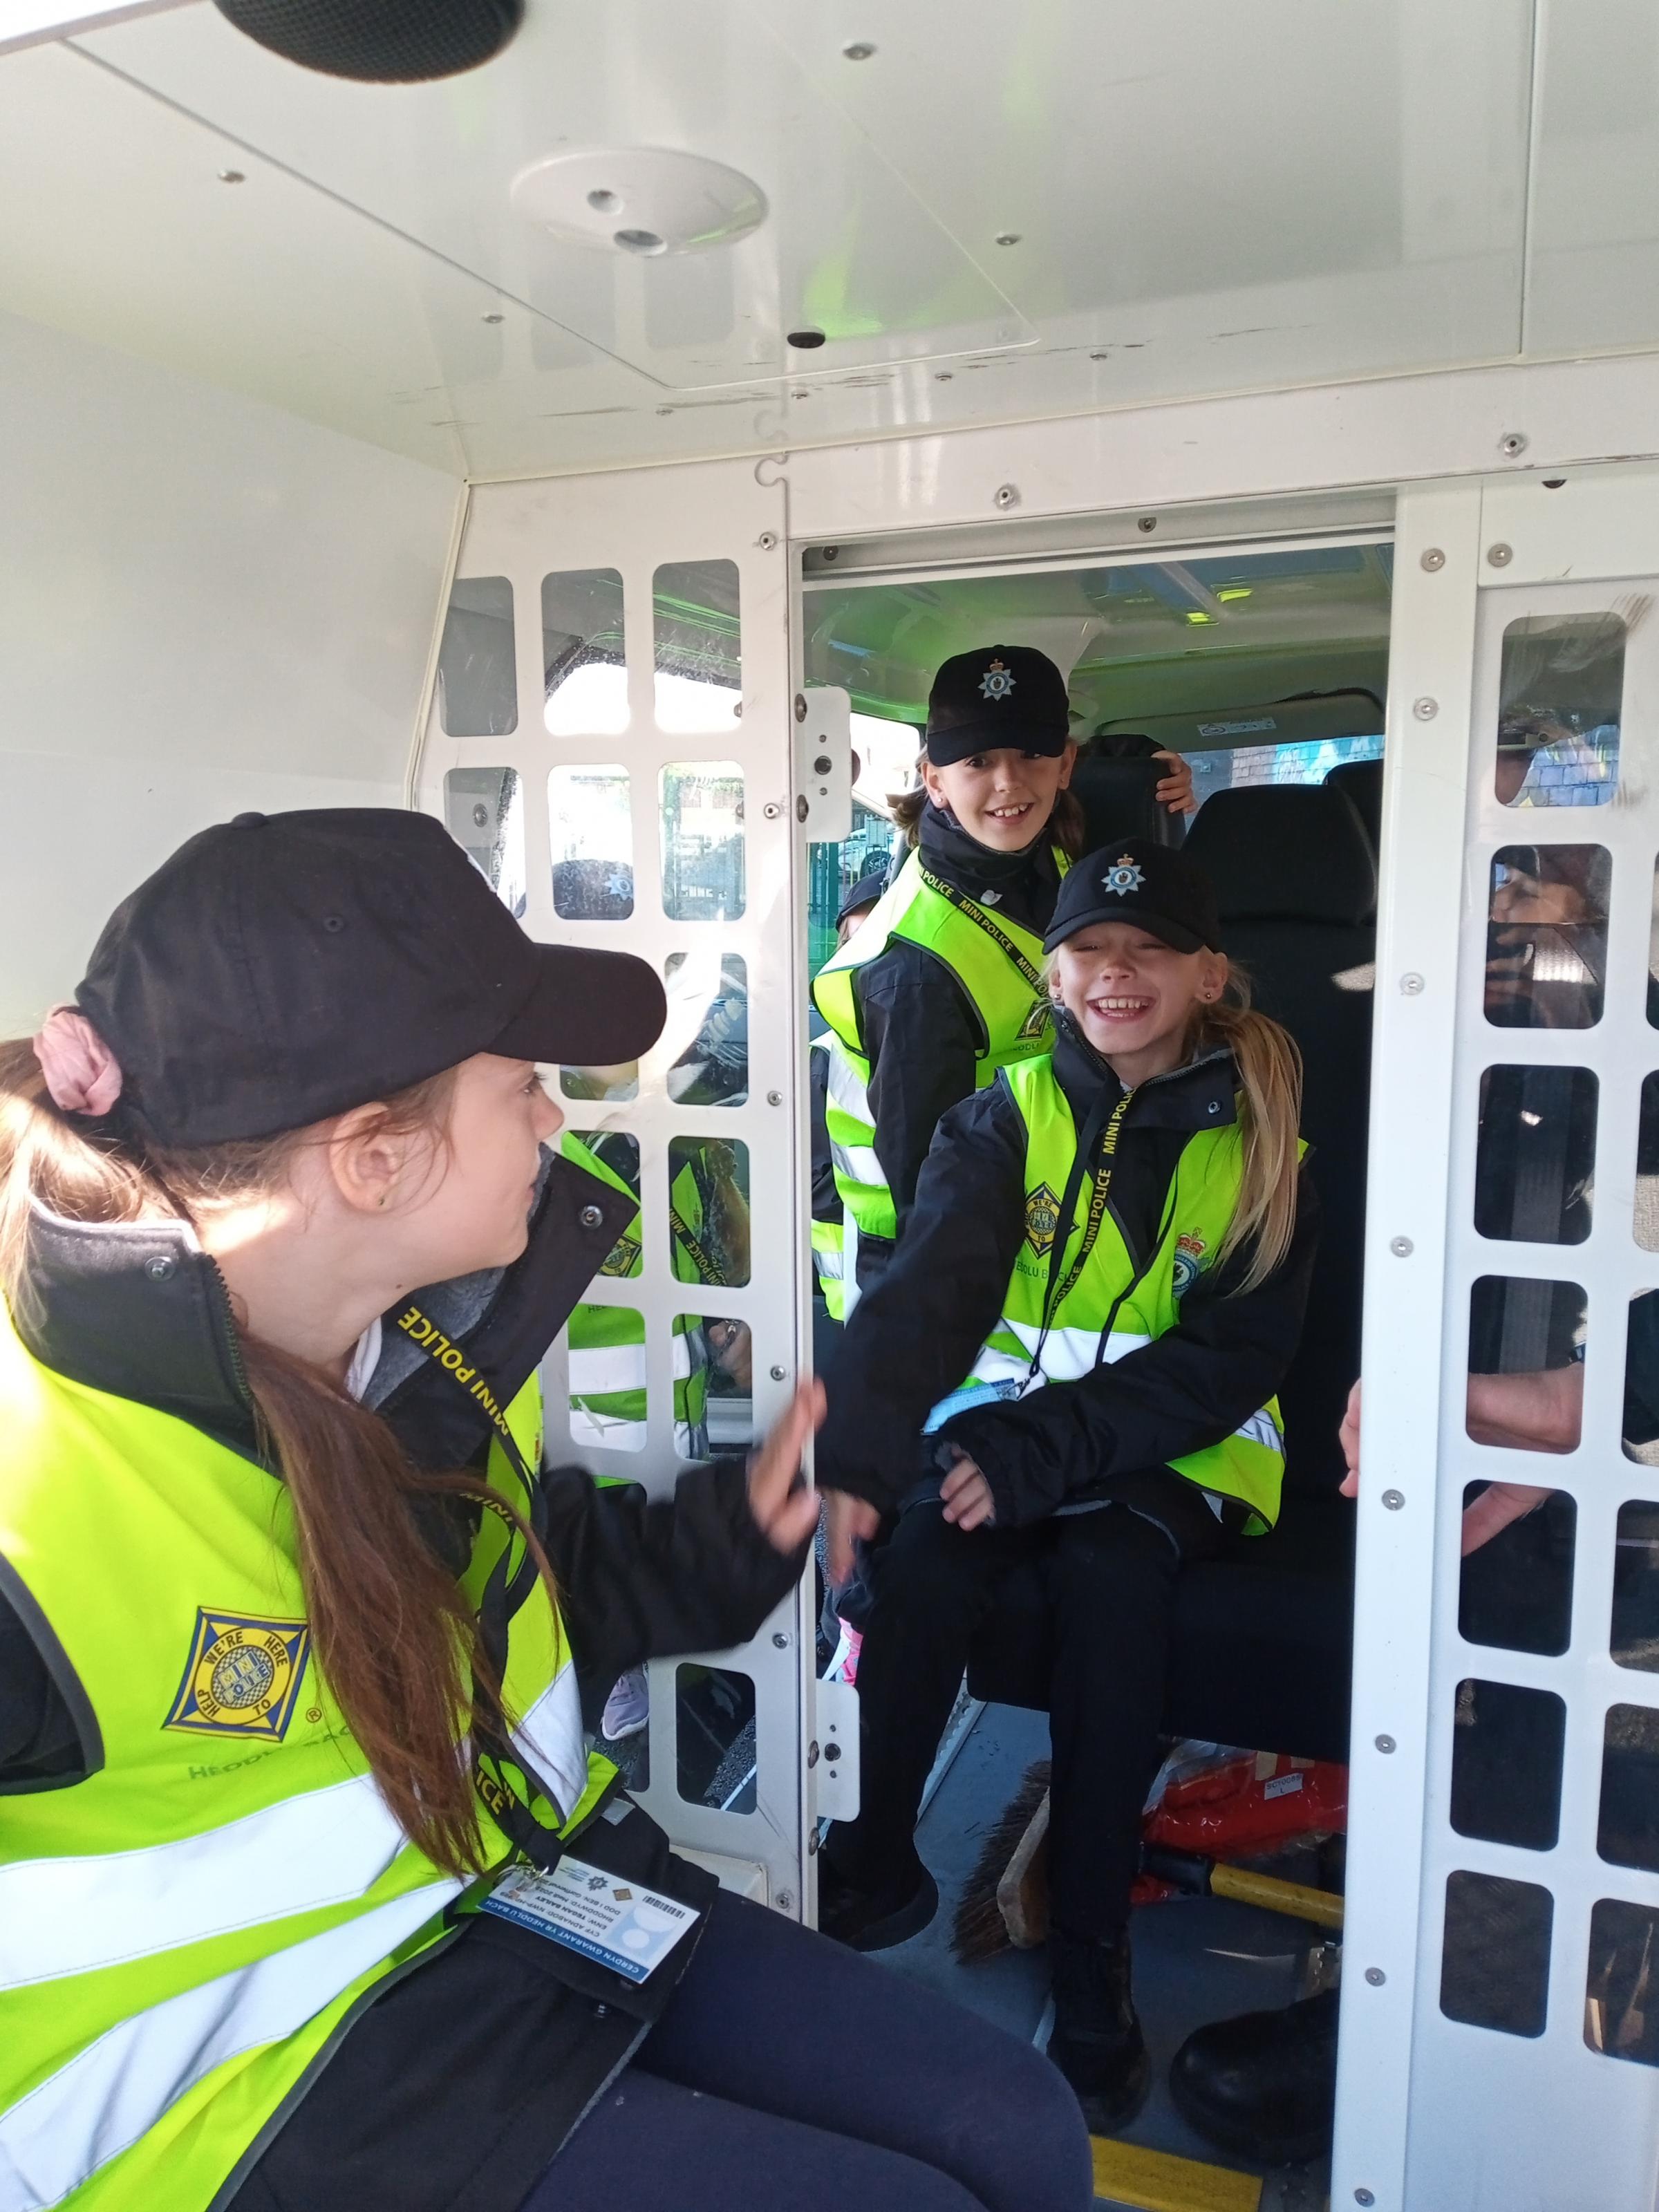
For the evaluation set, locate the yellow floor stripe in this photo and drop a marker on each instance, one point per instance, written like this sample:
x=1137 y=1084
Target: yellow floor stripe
x=1157 y=2182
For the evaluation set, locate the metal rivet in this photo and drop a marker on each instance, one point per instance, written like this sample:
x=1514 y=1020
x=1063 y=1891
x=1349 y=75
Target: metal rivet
x=780 y=1641
x=811 y=1757
x=1512 y=442
x=1499 y=557
x=771 y=810
x=859 y=50
x=1008 y=238
x=1433 y=558
x=1364 y=2197
x=775 y=1097
x=1393 y=1499
x=778 y=1374
x=159 y=1269
x=1376 y=1976
x=801 y=699
x=943 y=375
x=1007 y=495
x=1411 y=983
x=1146 y=524
x=481 y=815
x=1385 y=1744
x=767 y=540
x=785 y=1900
x=495 y=319
x=1401 y=1247
x=590 y=1217
x=1425 y=709
x=822 y=765
x=233 y=177
x=801 y=809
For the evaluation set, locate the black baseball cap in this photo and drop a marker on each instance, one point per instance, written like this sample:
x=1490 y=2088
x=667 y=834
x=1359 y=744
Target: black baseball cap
x=283 y=968
x=1002 y=695
x=866 y=892
x=1137 y=879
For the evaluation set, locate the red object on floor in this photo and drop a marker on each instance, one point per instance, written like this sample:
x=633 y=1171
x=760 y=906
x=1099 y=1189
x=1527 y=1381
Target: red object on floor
x=1250 y=1802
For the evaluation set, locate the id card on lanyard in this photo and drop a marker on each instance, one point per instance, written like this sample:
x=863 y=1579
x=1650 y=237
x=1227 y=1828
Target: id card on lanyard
x=616 y=1924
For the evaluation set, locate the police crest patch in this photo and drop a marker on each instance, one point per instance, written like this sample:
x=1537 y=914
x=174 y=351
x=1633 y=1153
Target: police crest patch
x=243 y=1675
x=1188 y=1259
x=622 y=1258
x=997 y=682
x=1036 y=1023
x=1041 y=1218
x=1123 y=877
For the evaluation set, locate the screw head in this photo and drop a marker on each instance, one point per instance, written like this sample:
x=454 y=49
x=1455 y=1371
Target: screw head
x=771 y=810
x=780 y=1641
x=590 y=1217
x=1364 y=2197
x=831 y=553
x=232 y=176
x=1008 y=238
x=159 y=1269
x=1411 y=983
x=1425 y=708
x=1393 y=1499
x=778 y=1373
x=1499 y=557
x=785 y=1900
x=1146 y=524
x=495 y=319
x=1401 y=1247
x=1385 y=1744
x=1376 y=1976
x=1512 y=442
x=1007 y=495
x=859 y=50
x=775 y=1097
x=1433 y=558
x=767 y=540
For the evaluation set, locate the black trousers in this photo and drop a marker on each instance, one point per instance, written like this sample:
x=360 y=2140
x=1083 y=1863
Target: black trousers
x=1111 y=1577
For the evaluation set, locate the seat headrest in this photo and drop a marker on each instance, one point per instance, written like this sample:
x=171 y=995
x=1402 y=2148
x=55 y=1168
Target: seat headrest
x=1285 y=852
x=1118 y=797
x=1360 y=782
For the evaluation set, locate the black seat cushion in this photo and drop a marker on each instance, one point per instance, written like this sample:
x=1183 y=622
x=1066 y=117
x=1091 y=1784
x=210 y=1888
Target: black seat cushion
x=1286 y=852
x=1360 y=783
x=1116 y=787
x=1261 y=1651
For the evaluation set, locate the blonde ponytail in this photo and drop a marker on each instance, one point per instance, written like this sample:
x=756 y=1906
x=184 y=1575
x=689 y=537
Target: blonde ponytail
x=1270 y=1119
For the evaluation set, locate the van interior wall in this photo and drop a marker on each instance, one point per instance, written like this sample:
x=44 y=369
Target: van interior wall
x=206 y=606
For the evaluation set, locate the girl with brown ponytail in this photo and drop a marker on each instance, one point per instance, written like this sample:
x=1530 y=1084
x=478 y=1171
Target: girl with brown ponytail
x=296 y=1631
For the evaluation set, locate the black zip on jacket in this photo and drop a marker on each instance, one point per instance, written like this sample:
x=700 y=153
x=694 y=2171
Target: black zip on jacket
x=921 y=1029
x=914 y=1337
x=453 y=2088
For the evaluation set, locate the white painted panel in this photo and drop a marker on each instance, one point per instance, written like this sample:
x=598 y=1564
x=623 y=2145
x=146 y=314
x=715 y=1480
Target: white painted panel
x=207 y=606
x=631 y=522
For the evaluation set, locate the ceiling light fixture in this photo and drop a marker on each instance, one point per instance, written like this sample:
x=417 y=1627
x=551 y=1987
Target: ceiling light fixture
x=674 y=202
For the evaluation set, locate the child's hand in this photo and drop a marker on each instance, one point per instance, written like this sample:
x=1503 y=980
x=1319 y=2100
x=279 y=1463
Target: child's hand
x=1174 y=791
x=966 y=1497
x=1348 y=1436
x=787 y=1517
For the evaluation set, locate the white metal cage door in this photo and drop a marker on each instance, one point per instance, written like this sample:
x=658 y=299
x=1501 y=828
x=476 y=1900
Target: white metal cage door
x=1501 y=1996
x=611 y=737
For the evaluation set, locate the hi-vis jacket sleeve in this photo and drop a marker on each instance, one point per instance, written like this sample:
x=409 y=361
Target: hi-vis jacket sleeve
x=913 y=1335
x=1188 y=1389
x=921 y=1036
x=645 y=1577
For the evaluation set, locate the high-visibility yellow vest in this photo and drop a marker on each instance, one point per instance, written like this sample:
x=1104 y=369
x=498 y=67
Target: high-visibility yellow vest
x=997 y=964
x=1107 y=1312
x=829 y=1238
x=183 y=1931
x=607 y=1342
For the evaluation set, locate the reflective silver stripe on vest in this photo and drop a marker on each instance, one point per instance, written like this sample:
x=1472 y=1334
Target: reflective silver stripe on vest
x=846 y=1087
x=550 y=1737
x=69 y=1916
x=1067 y=1353
x=115 y=2090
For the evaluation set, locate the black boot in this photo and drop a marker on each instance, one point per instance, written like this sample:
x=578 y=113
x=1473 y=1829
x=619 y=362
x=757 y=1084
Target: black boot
x=1097 y=2042
x=875 y=1919
x=1263 y=2086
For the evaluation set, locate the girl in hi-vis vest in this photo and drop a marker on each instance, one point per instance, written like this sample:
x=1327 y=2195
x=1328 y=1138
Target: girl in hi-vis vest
x=1068 y=1370
x=314 y=1896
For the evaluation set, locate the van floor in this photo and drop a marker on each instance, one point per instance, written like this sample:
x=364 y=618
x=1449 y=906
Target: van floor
x=1196 y=1959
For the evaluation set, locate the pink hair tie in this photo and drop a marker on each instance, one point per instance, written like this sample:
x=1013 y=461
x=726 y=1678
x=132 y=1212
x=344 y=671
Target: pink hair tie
x=82 y=1073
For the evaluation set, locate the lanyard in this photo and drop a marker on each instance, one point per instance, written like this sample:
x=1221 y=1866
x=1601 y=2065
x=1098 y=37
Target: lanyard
x=708 y=1269
x=1103 y=1129
x=506 y=1589
x=981 y=920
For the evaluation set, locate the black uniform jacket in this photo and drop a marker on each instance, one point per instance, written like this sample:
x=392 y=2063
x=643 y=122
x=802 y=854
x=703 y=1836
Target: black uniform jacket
x=922 y=1031
x=453 y=2090
x=916 y=1335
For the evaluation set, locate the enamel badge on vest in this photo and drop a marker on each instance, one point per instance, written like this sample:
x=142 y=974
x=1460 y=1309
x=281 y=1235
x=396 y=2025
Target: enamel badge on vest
x=243 y=1675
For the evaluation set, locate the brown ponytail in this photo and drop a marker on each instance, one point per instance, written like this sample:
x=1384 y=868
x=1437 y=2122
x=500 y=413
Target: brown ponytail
x=1064 y=825
x=1270 y=1080
x=395 y=1640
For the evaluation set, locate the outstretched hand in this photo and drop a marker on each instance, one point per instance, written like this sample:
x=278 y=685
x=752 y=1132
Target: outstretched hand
x=787 y=1516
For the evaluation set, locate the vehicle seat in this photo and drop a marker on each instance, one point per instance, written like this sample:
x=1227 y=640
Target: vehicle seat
x=1115 y=787
x=1261 y=1653
x=1360 y=783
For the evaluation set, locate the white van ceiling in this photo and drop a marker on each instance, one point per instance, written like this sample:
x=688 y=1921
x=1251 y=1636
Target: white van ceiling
x=995 y=213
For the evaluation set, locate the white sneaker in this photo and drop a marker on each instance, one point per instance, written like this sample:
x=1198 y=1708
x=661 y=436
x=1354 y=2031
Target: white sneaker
x=628 y=1708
